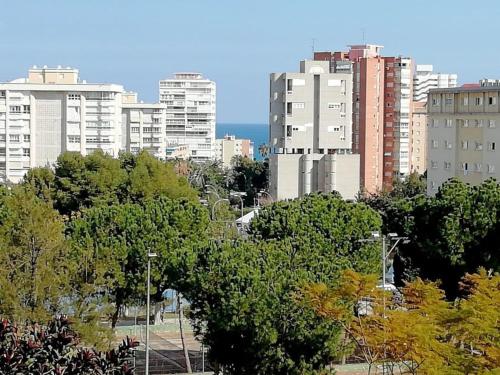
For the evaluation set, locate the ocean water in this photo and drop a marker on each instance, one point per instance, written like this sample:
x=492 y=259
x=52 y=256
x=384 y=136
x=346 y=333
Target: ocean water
x=258 y=133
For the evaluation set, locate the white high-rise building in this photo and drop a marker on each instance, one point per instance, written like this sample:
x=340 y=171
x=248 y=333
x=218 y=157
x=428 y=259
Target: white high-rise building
x=424 y=80
x=50 y=112
x=143 y=126
x=310 y=131
x=191 y=111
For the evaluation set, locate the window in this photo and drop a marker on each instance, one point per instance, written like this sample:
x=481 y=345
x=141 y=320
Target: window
x=26 y=109
x=2 y=151
x=465 y=145
x=491 y=146
x=434 y=144
x=448 y=101
x=435 y=101
x=135 y=129
x=492 y=100
x=14 y=137
x=289 y=85
x=15 y=109
x=491 y=168
x=466 y=123
x=492 y=124
x=2 y=94
x=156 y=121
x=479 y=123
x=289 y=130
x=477 y=167
x=73 y=138
x=435 y=123
x=434 y=164
x=333 y=105
x=447 y=144
x=298 y=105
x=465 y=100
x=74 y=97
x=479 y=146
x=26 y=152
x=27 y=138
x=465 y=166
x=479 y=101
x=447 y=165
x=2 y=137
x=289 y=108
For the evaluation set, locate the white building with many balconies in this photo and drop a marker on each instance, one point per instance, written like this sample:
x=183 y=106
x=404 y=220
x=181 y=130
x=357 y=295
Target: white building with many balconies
x=143 y=126
x=191 y=114
x=50 y=112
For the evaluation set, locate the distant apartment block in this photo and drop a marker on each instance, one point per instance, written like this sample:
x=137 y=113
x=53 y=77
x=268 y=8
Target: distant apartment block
x=463 y=134
x=190 y=115
x=230 y=146
x=424 y=80
x=311 y=132
x=143 y=126
x=381 y=112
x=50 y=112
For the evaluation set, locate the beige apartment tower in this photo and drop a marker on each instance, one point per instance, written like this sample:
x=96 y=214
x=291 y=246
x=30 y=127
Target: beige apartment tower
x=311 y=132
x=463 y=134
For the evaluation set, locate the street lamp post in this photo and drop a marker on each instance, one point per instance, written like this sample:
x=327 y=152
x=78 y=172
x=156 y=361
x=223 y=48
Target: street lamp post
x=150 y=255
x=213 y=190
x=385 y=255
x=239 y=195
x=215 y=204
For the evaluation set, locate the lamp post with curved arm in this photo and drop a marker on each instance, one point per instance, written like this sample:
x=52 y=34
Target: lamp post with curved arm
x=212 y=190
x=215 y=204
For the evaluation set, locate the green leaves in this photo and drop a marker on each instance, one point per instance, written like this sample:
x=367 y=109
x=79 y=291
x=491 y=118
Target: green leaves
x=242 y=292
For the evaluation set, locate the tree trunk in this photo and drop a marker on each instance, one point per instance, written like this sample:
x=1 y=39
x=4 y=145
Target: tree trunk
x=184 y=348
x=114 y=317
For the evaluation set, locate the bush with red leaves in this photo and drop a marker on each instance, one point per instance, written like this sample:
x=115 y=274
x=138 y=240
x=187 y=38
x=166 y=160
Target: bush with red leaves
x=53 y=350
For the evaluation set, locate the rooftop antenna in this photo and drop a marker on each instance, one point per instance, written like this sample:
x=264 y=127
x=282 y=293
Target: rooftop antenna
x=363 y=31
x=313 y=42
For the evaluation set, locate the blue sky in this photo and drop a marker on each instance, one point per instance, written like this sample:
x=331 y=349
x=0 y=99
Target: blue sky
x=238 y=43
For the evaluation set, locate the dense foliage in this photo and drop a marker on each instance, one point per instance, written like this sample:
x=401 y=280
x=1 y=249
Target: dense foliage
x=422 y=333
x=111 y=244
x=99 y=179
x=54 y=349
x=242 y=292
x=457 y=230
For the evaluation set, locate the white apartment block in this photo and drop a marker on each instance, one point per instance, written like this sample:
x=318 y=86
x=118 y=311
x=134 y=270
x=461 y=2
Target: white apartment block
x=311 y=133
x=402 y=115
x=463 y=134
x=191 y=111
x=230 y=146
x=424 y=79
x=143 y=126
x=50 y=112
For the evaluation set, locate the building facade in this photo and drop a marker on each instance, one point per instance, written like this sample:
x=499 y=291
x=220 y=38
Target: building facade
x=50 y=112
x=143 y=126
x=230 y=146
x=311 y=133
x=419 y=138
x=191 y=114
x=463 y=134
x=424 y=79
x=381 y=113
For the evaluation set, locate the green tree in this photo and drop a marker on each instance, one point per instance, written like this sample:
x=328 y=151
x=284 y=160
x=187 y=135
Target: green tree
x=33 y=255
x=249 y=176
x=99 y=179
x=242 y=292
x=112 y=242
